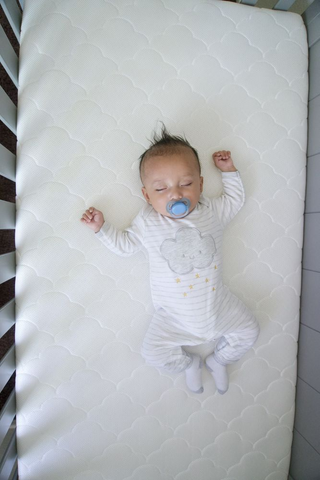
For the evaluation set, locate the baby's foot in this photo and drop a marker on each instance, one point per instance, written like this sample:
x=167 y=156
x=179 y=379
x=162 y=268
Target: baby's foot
x=219 y=373
x=194 y=374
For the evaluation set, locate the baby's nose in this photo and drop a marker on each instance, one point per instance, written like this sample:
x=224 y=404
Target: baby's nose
x=176 y=194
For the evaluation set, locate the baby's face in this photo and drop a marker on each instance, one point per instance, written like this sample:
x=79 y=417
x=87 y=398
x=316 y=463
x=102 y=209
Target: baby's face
x=172 y=177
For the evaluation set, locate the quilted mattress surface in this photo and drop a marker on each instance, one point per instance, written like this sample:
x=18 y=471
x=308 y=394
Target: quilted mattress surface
x=96 y=78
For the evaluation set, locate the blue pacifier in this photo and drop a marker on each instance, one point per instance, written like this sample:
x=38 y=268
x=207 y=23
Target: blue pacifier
x=178 y=208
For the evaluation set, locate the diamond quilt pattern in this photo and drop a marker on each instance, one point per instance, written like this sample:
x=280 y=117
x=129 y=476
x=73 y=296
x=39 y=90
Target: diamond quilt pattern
x=95 y=79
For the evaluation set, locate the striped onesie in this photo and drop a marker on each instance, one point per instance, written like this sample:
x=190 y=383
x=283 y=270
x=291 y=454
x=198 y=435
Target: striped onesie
x=192 y=306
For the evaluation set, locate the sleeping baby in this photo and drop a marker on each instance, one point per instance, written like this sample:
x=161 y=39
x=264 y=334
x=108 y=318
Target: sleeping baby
x=181 y=231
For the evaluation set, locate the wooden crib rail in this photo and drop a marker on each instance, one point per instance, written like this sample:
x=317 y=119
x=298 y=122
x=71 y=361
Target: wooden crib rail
x=11 y=16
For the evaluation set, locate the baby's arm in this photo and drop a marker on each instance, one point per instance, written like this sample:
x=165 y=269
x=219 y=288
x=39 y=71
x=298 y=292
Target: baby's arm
x=233 y=197
x=223 y=161
x=122 y=242
x=93 y=218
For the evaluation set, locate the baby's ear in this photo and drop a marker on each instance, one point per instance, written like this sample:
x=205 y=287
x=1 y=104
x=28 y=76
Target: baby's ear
x=145 y=194
x=201 y=184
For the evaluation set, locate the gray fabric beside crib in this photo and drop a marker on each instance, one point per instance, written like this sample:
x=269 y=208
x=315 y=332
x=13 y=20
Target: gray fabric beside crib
x=305 y=461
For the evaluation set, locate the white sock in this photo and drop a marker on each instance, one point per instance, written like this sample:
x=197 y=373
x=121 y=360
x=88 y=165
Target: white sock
x=219 y=373
x=194 y=374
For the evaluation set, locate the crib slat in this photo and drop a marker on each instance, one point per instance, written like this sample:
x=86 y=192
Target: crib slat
x=248 y=2
x=7 y=415
x=7 y=367
x=7 y=163
x=284 y=4
x=312 y=21
x=8 y=111
x=300 y=6
x=311 y=13
x=8 y=58
x=8 y=464
x=296 y=6
x=7 y=266
x=7 y=215
x=7 y=317
x=13 y=15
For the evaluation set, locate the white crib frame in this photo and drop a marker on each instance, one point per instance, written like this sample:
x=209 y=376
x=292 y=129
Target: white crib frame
x=8 y=115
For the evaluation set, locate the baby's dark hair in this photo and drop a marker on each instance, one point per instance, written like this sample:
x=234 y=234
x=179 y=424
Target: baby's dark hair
x=165 y=143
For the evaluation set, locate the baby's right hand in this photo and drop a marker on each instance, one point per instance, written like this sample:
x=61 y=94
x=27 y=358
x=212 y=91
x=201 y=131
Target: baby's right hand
x=93 y=219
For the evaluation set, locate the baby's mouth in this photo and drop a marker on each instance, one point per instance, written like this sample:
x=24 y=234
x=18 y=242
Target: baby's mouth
x=179 y=208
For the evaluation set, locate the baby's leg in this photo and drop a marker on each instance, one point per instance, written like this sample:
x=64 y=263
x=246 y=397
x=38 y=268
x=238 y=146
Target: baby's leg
x=219 y=372
x=162 y=349
x=235 y=344
x=239 y=334
x=194 y=374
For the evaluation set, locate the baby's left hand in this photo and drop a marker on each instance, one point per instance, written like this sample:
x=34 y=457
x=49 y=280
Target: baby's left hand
x=223 y=161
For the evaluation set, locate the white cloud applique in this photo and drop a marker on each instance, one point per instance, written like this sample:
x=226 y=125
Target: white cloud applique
x=188 y=250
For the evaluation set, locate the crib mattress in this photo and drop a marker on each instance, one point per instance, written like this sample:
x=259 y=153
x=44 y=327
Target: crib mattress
x=95 y=79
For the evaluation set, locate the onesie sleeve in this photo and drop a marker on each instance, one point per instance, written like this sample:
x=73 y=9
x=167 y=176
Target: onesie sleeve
x=123 y=242
x=232 y=199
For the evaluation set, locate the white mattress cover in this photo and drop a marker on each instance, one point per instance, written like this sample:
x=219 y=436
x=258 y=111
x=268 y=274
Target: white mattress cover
x=95 y=78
